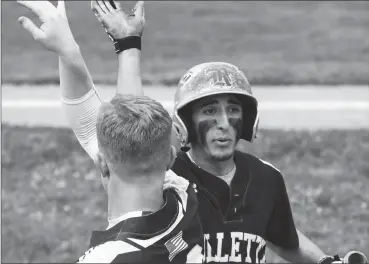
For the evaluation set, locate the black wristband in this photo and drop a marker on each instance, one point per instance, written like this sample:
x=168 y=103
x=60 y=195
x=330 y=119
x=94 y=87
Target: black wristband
x=132 y=42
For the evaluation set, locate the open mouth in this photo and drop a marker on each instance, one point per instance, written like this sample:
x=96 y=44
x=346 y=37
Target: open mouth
x=223 y=141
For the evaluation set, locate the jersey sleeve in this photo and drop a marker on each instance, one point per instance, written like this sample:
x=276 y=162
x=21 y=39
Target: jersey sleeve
x=82 y=114
x=281 y=229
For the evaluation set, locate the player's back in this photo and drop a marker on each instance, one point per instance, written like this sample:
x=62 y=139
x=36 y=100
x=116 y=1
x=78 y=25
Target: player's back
x=172 y=234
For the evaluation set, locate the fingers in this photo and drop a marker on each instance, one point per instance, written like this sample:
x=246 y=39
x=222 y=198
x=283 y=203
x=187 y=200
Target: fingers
x=109 y=5
x=41 y=8
x=102 y=6
x=97 y=10
x=31 y=5
x=115 y=4
x=139 y=9
x=28 y=25
x=61 y=8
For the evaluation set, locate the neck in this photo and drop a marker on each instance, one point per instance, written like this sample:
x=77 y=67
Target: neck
x=138 y=195
x=210 y=164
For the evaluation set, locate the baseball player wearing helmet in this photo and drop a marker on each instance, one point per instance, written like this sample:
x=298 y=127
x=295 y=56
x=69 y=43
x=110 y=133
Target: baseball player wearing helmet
x=214 y=108
x=243 y=202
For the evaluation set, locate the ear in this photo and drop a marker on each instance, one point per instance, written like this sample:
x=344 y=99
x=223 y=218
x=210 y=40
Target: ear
x=175 y=139
x=173 y=156
x=102 y=165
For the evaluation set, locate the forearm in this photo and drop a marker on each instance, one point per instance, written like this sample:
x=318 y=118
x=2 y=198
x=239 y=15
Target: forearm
x=75 y=79
x=82 y=116
x=129 y=72
x=80 y=99
x=307 y=252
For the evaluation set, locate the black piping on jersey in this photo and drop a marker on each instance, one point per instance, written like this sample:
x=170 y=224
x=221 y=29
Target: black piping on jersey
x=132 y=243
x=211 y=197
x=171 y=192
x=247 y=188
x=123 y=229
x=128 y=241
x=243 y=200
x=213 y=200
x=244 y=193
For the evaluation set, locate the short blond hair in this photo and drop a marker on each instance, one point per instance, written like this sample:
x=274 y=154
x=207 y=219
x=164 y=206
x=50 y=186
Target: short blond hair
x=135 y=131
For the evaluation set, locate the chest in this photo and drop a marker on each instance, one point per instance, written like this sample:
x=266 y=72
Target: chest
x=245 y=208
x=246 y=205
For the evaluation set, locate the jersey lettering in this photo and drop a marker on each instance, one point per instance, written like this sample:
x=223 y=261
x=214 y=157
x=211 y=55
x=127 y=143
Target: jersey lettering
x=236 y=238
x=244 y=248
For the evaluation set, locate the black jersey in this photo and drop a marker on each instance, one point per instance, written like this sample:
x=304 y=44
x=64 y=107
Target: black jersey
x=173 y=234
x=238 y=220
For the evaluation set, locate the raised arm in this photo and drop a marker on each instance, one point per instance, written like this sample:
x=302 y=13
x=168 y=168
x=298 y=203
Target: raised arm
x=79 y=96
x=55 y=35
x=125 y=30
x=81 y=101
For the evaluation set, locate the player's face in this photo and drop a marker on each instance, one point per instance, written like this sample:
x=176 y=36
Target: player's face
x=217 y=124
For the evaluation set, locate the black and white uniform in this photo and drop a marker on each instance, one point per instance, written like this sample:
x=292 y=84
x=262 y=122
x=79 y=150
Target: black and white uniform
x=239 y=218
x=171 y=235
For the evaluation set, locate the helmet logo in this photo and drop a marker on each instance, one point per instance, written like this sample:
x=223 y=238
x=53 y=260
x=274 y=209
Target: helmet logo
x=219 y=77
x=224 y=77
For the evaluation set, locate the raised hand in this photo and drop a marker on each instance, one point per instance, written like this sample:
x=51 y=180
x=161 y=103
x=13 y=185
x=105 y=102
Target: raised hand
x=117 y=23
x=54 y=33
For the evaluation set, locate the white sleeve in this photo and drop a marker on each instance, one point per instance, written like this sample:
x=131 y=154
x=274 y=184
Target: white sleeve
x=179 y=184
x=195 y=255
x=82 y=116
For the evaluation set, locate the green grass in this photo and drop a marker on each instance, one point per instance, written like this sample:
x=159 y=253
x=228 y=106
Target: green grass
x=52 y=197
x=292 y=42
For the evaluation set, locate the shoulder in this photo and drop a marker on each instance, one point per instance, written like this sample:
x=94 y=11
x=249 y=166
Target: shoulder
x=258 y=166
x=264 y=173
x=182 y=188
x=181 y=159
x=182 y=166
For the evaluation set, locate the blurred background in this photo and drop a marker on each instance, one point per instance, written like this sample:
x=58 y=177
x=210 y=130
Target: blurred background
x=307 y=61
x=291 y=42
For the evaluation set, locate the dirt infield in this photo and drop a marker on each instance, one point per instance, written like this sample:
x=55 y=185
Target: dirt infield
x=283 y=107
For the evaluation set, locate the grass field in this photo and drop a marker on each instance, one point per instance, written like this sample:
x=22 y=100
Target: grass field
x=52 y=197
x=292 y=42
